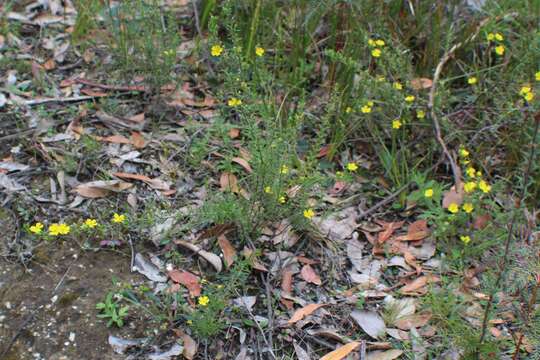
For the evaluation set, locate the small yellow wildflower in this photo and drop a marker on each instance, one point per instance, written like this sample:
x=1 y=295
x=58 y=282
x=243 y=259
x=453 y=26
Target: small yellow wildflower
x=339 y=174
x=484 y=186
x=371 y=42
x=453 y=208
x=409 y=98
x=259 y=51
x=37 y=228
x=491 y=36
x=309 y=213
x=376 y=53
x=370 y=103
x=234 y=102
x=464 y=152
x=472 y=80
x=268 y=189
x=203 y=300
x=59 y=229
x=478 y=173
x=428 y=193
x=499 y=37
x=420 y=114
x=397 y=85
x=282 y=199
x=529 y=96
x=352 y=167
x=499 y=50
x=380 y=42
x=216 y=50
x=284 y=169
x=537 y=76
x=379 y=78
x=365 y=109
x=189 y=322
x=525 y=90
x=468 y=208
x=396 y=124
x=471 y=171
x=469 y=186
x=465 y=161
x=90 y=223
x=118 y=219
x=465 y=238
x=348 y=109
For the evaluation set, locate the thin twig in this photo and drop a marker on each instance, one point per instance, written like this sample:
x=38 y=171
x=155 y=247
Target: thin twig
x=431 y=102
x=509 y=238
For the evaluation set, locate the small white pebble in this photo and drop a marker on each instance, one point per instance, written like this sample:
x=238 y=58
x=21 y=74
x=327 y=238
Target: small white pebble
x=72 y=336
x=8 y=305
x=54 y=298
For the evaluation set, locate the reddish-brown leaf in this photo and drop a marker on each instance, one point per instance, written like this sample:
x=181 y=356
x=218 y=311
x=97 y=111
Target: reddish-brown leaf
x=228 y=182
x=229 y=253
x=421 y=83
x=309 y=275
x=341 y=352
x=303 y=312
x=234 y=133
x=415 y=320
x=417 y=284
x=452 y=197
x=388 y=230
x=137 y=140
x=243 y=163
x=481 y=221
x=190 y=281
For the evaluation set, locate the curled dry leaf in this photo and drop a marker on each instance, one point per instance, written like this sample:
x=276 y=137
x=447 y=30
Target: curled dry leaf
x=384 y=355
x=388 y=230
x=341 y=352
x=190 y=346
x=99 y=189
x=137 y=140
x=413 y=321
x=208 y=256
x=229 y=253
x=303 y=312
x=309 y=275
x=417 y=284
x=243 y=163
x=229 y=182
x=155 y=183
x=421 y=83
x=190 y=281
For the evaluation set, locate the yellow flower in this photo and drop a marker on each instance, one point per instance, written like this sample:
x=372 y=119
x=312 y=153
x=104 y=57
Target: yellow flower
x=396 y=124
x=309 y=213
x=499 y=50
x=370 y=103
x=484 y=186
x=428 y=193
x=259 y=51
x=118 y=218
x=471 y=171
x=234 y=102
x=348 y=109
x=365 y=109
x=282 y=199
x=420 y=114
x=339 y=174
x=469 y=186
x=465 y=161
x=491 y=36
x=464 y=152
x=380 y=42
x=397 y=85
x=524 y=90
x=371 y=42
x=37 y=228
x=472 y=80
x=379 y=78
x=468 y=208
x=268 y=190
x=465 y=238
x=284 y=169
x=537 y=76
x=529 y=96
x=59 y=229
x=203 y=300
x=90 y=223
x=376 y=53
x=499 y=37
x=478 y=173
x=352 y=166
x=453 y=208
x=409 y=98
x=216 y=50
x=189 y=322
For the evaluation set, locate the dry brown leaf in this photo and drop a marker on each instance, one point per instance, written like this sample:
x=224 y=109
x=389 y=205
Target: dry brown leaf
x=388 y=230
x=116 y=139
x=421 y=83
x=452 y=197
x=228 y=182
x=190 y=281
x=99 y=189
x=137 y=140
x=371 y=322
x=243 y=163
x=190 y=347
x=229 y=253
x=139 y=118
x=309 y=275
x=384 y=355
x=341 y=352
x=481 y=221
x=412 y=321
x=155 y=183
x=418 y=283
x=303 y=312
x=234 y=133
x=208 y=256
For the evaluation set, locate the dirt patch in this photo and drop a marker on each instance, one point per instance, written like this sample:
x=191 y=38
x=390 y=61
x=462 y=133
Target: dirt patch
x=50 y=305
